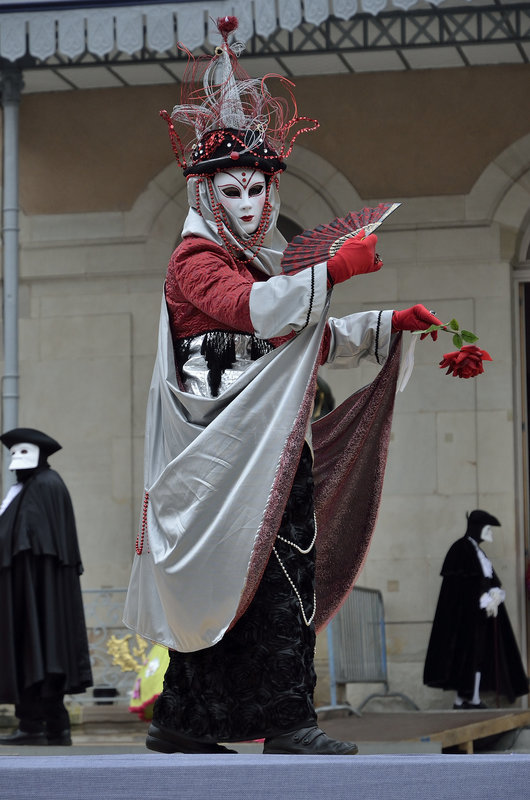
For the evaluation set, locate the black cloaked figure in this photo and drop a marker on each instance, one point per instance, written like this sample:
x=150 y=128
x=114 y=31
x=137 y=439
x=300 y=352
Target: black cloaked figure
x=472 y=647
x=42 y=624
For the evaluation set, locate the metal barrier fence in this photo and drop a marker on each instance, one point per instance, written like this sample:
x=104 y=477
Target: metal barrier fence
x=103 y=615
x=359 y=639
x=357 y=648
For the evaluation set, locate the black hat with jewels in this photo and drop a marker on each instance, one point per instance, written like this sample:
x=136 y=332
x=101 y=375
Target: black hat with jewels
x=228 y=148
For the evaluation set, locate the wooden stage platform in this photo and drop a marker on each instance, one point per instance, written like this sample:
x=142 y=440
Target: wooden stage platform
x=455 y=731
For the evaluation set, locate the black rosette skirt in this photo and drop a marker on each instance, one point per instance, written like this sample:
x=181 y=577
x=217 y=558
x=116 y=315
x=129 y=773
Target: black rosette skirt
x=258 y=681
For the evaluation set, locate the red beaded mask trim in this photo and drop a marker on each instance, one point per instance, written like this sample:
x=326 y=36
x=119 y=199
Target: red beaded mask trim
x=198 y=197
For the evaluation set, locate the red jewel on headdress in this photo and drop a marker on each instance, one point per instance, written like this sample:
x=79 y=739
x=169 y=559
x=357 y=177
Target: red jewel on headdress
x=226 y=25
x=234 y=156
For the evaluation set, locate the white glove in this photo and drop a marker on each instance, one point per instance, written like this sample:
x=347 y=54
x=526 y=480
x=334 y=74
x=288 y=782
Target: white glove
x=490 y=601
x=498 y=594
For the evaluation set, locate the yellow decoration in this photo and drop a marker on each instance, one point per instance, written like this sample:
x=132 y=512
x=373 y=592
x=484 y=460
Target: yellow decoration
x=122 y=656
x=150 y=666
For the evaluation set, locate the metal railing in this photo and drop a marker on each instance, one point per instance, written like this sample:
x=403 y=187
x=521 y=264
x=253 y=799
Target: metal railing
x=403 y=31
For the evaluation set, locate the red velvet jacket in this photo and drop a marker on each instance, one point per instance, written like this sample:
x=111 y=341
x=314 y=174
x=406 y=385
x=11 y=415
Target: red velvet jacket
x=207 y=289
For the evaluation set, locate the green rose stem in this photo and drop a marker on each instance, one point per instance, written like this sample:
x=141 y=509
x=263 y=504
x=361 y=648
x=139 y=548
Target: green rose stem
x=460 y=336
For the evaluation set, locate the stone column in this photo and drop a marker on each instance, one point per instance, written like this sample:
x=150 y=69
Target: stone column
x=11 y=84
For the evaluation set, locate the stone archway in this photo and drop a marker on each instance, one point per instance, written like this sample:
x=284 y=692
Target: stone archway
x=502 y=192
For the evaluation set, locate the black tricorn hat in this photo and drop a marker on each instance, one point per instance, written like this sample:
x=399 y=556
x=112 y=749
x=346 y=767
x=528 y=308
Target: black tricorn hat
x=482 y=518
x=478 y=520
x=45 y=443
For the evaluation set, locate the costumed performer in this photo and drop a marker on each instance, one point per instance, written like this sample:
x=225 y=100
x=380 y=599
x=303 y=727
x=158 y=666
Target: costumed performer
x=42 y=624
x=472 y=647
x=231 y=571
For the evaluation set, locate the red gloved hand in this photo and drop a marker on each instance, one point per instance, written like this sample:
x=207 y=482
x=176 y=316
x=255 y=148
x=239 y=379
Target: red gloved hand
x=355 y=257
x=417 y=318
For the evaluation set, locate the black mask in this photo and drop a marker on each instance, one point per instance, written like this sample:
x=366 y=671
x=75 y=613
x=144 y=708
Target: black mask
x=25 y=474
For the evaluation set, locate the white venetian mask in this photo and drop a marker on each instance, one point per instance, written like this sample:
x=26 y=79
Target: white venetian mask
x=242 y=193
x=486 y=534
x=24 y=456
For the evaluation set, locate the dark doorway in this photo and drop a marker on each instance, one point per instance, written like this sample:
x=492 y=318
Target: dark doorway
x=525 y=366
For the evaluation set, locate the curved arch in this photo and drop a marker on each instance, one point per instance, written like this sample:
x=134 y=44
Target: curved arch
x=313 y=191
x=502 y=193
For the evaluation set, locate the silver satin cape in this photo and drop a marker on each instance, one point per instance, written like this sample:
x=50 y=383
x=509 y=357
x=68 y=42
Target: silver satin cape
x=217 y=474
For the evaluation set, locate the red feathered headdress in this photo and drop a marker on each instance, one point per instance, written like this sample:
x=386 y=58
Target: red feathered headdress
x=232 y=118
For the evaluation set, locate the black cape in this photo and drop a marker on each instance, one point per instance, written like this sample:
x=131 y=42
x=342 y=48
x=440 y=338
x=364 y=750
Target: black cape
x=464 y=640
x=42 y=622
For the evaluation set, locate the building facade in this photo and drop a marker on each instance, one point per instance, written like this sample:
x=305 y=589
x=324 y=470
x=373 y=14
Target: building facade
x=102 y=204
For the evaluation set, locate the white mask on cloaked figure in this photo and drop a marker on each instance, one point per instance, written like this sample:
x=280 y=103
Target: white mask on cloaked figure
x=242 y=193
x=24 y=456
x=486 y=534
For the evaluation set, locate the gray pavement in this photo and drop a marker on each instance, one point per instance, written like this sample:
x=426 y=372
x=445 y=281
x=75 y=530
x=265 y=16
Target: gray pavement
x=112 y=729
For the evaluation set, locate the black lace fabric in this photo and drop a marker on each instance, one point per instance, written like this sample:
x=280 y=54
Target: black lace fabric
x=219 y=351
x=258 y=681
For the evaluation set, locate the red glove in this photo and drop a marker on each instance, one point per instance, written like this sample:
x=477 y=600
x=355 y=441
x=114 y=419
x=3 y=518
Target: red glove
x=417 y=318
x=355 y=257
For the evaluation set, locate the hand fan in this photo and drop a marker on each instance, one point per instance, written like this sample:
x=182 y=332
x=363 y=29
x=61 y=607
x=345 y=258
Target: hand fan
x=316 y=245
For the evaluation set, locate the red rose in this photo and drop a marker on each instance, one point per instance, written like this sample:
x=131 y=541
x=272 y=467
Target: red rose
x=465 y=363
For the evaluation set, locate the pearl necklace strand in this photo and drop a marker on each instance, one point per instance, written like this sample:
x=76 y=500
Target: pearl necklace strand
x=295 y=590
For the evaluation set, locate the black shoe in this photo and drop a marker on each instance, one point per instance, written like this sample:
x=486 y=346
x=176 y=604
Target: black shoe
x=165 y=740
x=308 y=741
x=61 y=739
x=473 y=706
x=23 y=737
